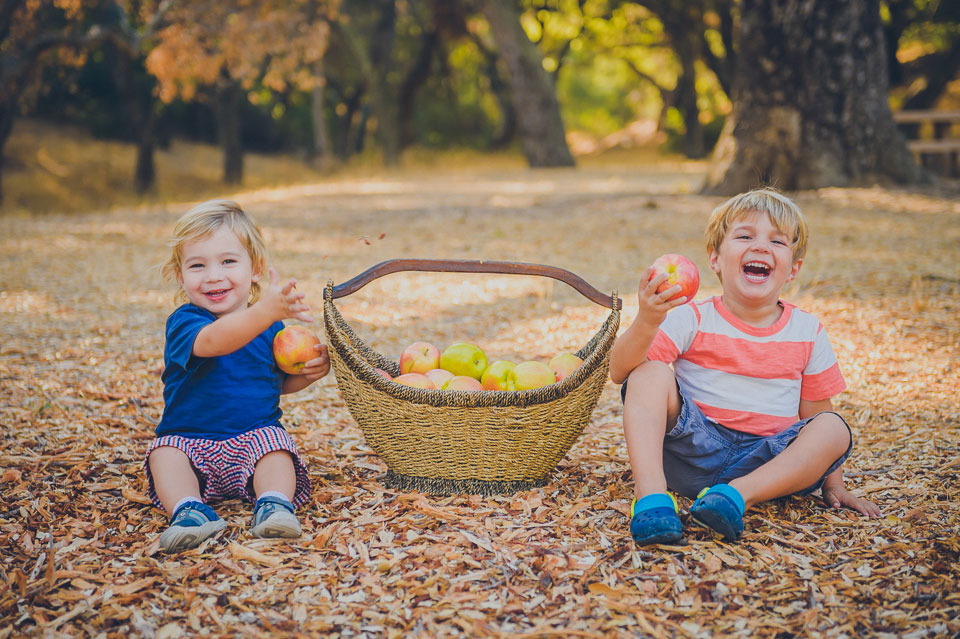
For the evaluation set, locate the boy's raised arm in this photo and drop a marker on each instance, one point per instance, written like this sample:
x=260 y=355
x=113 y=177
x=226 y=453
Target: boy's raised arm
x=630 y=349
x=235 y=330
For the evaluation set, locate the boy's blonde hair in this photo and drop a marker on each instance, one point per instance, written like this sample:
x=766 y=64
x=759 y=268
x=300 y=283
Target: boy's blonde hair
x=781 y=210
x=206 y=218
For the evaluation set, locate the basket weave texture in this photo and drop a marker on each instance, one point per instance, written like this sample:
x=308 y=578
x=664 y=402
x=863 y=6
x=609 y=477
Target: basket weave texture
x=446 y=442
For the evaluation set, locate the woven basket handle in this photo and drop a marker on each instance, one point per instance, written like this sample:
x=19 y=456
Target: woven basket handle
x=477 y=266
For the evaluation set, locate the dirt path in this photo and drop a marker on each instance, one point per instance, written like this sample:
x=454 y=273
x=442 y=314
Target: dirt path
x=81 y=315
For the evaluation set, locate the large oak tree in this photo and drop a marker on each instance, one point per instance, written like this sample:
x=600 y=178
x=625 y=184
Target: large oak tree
x=810 y=100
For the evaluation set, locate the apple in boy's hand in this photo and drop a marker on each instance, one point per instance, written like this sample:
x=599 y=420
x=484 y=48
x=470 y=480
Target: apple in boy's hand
x=293 y=347
x=419 y=357
x=495 y=377
x=564 y=364
x=527 y=375
x=462 y=382
x=680 y=270
x=464 y=359
x=438 y=376
x=417 y=380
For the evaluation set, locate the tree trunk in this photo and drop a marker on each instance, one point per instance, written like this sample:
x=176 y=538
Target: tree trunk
x=229 y=96
x=321 y=142
x=810 y=101
x=534 y=96
x=8 y=110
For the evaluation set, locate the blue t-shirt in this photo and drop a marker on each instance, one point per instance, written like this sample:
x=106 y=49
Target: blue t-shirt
x=217 y=397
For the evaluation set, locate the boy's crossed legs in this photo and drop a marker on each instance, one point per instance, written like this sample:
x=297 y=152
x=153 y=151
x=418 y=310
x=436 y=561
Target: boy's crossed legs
x=660 y=425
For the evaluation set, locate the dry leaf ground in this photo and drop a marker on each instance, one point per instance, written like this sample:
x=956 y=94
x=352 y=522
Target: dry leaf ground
x=82 y=309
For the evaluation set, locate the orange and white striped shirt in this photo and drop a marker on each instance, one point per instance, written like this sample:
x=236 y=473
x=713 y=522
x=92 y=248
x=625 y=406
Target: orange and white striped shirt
x=748 y=378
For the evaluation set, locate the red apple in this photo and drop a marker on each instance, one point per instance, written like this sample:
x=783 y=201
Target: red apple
x=564 y=364
x=680 y=270
x=495 y=377
x=417 y=380
x=419 y=357
x=438 y=376
x=462 y=382
x=384 y=374
x=293 y=347
x=527 y=375
x=464 y=359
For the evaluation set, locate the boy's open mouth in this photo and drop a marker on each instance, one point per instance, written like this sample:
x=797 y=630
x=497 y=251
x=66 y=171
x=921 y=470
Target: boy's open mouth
x=756 y=271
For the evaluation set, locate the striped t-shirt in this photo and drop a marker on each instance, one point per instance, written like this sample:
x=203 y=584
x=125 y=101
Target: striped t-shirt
x=747 y=378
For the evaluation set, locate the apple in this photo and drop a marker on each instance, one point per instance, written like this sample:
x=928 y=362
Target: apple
x=464 y=359
x=293 y=347
x=417 y=380
x=495 y=377
x=680 y=270
x=462 y=382
x=419 y=357
x=438 y=376
x=564 y=364
x=383 y=373
x=527 y=375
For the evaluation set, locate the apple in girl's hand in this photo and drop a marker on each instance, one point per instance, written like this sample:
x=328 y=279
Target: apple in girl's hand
x=527 y=375
x=680 y=270
x=438 y=376
x=564 y=364
x=417 y=380
x=462 y=382
x=495 y=377
x=464 y=359
x=419 y=357
x=293 y=347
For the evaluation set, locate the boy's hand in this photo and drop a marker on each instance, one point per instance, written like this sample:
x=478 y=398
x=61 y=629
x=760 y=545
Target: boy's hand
x=317 y=367
x=837 y=496
x=653 y=306
x=284 y=301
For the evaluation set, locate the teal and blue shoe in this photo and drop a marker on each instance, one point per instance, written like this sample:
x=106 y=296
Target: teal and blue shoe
x=721 y=509
x=655 y=520
x=193 y=522
x=273 y=517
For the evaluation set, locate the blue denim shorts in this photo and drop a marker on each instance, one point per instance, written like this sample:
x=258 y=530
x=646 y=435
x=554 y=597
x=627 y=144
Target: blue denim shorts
x=699 y=453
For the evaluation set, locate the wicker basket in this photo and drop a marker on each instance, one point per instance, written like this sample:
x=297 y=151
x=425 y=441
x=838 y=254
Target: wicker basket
x=445 y=442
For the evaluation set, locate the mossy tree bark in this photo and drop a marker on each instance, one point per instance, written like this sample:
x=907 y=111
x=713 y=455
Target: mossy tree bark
x=810 y=101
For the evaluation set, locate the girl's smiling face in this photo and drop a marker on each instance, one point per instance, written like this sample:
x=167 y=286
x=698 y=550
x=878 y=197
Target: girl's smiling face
x=217 y=272
x=754 y=262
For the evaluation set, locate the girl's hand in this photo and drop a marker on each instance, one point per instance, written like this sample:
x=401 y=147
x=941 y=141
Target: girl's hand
x=285 y=300
x=839 y=496
x=317 y=367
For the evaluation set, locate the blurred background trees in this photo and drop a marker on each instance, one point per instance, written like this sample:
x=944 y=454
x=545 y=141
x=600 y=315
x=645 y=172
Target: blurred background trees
x=332 y=79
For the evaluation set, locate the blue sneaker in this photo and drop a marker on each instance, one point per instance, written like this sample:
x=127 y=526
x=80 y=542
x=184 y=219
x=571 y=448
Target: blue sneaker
x=655 y=520
x=720 y=508
x=193 y=522
x=273 y=517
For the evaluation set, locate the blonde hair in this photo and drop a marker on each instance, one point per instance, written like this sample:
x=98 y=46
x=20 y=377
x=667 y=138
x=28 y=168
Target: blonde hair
x=783 y=213
x=203 y=220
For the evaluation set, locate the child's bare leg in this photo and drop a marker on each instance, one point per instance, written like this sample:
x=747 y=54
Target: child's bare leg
x=650 y=409
x=820 y=443
x=275 y=483
x=173 y=476
x=274 y=472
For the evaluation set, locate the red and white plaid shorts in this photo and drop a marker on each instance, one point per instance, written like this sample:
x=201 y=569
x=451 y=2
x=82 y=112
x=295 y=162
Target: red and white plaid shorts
x=225 y=467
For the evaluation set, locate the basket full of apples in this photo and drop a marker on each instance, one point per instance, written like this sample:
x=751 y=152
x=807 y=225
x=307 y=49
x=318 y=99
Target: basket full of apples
x=451 y=421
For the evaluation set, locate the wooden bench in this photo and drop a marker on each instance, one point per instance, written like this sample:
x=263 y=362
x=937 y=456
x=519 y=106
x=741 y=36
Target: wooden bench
x=934 y=137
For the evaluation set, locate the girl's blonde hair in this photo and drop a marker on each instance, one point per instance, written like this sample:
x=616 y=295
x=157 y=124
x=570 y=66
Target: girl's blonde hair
x=206 y=218
x=781 y=210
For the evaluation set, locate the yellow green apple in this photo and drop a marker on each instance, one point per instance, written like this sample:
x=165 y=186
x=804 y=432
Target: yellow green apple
x=495 y=376
x=438 y=376
x=417 y=380
x=419 y=357
x=528 y=375
x=564 y=364
x=293 y=347
x=462 y=382
x=464 y=359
